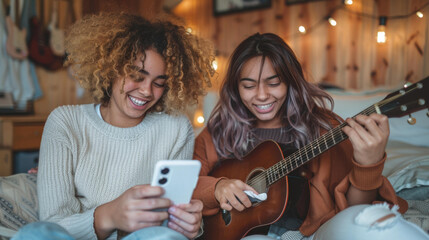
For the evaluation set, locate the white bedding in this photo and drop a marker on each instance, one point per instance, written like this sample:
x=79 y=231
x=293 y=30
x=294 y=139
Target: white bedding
x=407 y=165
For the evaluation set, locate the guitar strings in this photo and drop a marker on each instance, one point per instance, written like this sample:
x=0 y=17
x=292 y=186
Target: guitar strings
x=296 y=158
x=329 y=138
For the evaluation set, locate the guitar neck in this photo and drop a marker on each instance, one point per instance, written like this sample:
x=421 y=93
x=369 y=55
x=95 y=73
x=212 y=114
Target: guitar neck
x=310 y=151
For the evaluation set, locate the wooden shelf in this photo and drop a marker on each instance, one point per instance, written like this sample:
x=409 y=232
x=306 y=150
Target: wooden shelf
x=18 y=133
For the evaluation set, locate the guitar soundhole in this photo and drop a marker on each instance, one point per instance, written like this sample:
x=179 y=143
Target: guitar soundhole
x=257 y=180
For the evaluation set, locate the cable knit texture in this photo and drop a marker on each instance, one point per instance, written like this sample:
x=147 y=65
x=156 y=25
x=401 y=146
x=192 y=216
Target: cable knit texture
x=86 y=162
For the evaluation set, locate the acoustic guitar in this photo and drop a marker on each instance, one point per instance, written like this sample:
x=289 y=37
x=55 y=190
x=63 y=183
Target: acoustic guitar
x=266 y=169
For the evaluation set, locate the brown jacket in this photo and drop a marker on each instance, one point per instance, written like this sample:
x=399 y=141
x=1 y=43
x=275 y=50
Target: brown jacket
x=331 y=175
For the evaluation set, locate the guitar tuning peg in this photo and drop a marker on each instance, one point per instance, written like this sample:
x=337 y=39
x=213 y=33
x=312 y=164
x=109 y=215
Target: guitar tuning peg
x=411 y=120
x=407 y=84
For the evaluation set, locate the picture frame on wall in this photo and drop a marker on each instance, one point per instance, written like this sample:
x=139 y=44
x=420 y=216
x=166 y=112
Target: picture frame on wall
x=222 y=7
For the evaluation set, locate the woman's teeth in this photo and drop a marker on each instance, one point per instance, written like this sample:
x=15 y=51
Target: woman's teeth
x=264 y=107
x=137 y=102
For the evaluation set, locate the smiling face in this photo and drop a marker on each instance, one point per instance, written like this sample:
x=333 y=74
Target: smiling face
x=262 y=92
x=141 y=91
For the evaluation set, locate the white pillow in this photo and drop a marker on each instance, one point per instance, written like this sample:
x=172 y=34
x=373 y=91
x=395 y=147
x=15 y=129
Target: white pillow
x=417 y=134
x=407 y=165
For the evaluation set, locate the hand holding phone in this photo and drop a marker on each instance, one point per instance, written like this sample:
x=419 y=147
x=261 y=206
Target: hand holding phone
x=178 y=178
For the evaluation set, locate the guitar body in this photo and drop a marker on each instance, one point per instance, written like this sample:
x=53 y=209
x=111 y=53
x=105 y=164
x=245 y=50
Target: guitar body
x=267 y=212
x=57 y=41
x=16 y=46
x=40 y=50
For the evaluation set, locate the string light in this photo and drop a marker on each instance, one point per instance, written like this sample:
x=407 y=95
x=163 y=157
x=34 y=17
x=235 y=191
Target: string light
x=214 y=65
x=332 y=21
x=348 y=2
x=381 y=30
x=419 y=14
x=200 y=119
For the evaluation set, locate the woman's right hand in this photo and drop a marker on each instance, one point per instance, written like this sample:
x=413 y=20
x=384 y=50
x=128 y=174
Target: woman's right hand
x=230 y=194
x=131 y=211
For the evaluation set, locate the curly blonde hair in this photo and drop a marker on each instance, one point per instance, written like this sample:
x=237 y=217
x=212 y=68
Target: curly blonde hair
x=103 y=47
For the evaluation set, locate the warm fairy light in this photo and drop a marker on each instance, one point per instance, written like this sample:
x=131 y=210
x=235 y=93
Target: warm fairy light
x=200 y=119
x=332 y=21
x=381 y=34
x=189 y=30
x=348 y=2
x=381 y=30
x=301 y=29
x=419 y=14
x=214 y=65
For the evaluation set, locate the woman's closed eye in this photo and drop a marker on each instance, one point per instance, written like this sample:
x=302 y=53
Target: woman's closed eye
x=248 y=86
x=274 y=84
x=159 y=85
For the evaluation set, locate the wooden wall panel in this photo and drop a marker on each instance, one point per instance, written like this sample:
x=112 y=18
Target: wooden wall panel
x=346 y=55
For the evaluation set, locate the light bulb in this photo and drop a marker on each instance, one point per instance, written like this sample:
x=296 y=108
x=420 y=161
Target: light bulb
x=332 y=21
x=214 y=65
x=348 y=2
x=381 y=34
x=381 y=31
x=419 y=14
x=301 y=29
x=200 y=119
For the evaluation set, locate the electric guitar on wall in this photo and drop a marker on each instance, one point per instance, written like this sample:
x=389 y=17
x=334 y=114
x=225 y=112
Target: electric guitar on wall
x=16 y=45
x=40 y=51
x=266 y=169
x=56 y=40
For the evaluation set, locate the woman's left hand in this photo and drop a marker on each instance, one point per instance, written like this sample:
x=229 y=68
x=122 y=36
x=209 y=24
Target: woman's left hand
x=368 y=135
x=186 y=218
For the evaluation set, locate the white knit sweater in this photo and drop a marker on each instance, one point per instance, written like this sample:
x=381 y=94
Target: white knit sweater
x=86 y=162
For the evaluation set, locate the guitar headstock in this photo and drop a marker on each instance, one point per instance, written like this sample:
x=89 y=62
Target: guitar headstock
x=407 y=100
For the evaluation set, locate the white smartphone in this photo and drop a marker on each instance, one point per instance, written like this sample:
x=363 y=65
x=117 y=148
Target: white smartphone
x=178 y=178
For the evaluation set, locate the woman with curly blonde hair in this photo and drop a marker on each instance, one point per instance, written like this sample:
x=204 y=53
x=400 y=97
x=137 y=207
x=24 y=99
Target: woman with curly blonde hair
x=97 y=159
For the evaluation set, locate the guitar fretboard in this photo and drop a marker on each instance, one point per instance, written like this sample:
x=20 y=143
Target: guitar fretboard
x=310 y=151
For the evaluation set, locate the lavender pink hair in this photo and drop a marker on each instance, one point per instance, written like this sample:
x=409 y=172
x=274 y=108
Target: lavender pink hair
x=304 y=110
